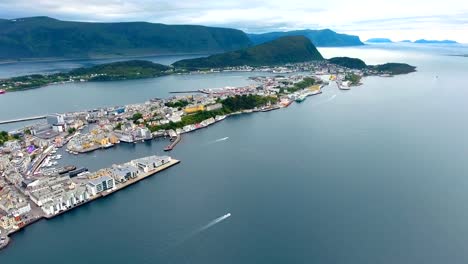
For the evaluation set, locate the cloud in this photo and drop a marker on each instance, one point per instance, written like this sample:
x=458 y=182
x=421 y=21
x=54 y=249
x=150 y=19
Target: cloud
x=367 y=18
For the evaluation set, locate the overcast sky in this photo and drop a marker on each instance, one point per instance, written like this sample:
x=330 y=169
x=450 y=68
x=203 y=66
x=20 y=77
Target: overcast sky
x=396 y=19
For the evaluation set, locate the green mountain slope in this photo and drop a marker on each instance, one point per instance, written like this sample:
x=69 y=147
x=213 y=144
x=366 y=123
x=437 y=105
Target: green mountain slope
x=44 y=37
x=320 y=38
x=280 y=51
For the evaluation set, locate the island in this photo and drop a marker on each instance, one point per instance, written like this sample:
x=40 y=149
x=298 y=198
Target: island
x=124 y=70
x=381 y=69
x=379 y=40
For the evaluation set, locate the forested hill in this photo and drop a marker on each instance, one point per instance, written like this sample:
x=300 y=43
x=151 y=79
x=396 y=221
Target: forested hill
x=45 y=37
x=280 y=51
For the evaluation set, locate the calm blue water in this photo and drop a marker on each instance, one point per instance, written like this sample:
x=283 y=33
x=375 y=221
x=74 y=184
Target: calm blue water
x=44 y=67
x=372 y=175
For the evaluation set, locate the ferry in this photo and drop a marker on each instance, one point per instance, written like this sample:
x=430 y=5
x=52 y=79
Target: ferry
x=301 y=98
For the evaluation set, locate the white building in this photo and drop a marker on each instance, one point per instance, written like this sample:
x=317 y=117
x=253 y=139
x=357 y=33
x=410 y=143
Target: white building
x=101 y=184
x=150 y=163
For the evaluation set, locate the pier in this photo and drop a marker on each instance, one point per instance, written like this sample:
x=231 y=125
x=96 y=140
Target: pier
x=174 y=142
x=194 y=91
x=22 y=119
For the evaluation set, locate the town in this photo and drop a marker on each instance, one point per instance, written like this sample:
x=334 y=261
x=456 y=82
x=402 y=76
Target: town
x=33 y=188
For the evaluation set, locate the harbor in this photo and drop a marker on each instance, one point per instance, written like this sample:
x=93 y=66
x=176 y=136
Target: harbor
x=81 y=189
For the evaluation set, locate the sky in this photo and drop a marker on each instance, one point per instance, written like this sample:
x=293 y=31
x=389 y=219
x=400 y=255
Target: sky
x=396 y=19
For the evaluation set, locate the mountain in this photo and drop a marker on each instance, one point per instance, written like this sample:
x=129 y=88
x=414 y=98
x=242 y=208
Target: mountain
x=44 y=37
x=425 y=41
x=320 y=38
x=379 y=40
x=279 y=51
x=352 y=63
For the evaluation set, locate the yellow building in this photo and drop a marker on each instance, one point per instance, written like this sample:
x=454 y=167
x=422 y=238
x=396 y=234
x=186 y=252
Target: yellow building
x=193 y=109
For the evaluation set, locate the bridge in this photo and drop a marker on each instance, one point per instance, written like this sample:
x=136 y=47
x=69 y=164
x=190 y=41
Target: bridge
x=22 y=119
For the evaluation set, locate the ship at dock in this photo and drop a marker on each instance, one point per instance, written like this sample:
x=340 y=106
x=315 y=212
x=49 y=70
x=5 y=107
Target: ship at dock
x=300 y=98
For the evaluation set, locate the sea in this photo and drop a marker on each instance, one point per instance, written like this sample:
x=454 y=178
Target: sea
x=376 y=174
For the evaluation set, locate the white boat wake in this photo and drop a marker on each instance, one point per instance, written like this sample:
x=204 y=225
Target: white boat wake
x=218 y=140
x=221 y=139
x=214 y=222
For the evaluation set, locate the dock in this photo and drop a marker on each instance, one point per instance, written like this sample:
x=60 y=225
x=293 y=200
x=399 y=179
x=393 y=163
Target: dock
x=193 y=91
x=120 y=186
x=171 y=146
x=22 y=119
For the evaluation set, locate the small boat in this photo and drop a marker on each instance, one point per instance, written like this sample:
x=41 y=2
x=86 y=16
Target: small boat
x=2 y=91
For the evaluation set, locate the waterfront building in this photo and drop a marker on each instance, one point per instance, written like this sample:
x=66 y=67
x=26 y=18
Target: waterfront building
x=124 y=173
x=101 y=184
x=150 y=163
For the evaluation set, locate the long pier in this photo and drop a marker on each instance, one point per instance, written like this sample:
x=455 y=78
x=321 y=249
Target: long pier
x=193 y=91
x=22 y=119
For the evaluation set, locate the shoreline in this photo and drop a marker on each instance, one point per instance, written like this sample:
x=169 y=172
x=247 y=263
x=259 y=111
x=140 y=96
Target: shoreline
x=118 y=187
x=52 y=59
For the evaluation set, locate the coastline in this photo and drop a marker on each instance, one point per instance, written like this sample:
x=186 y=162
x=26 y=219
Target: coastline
x=118 y=187
x=102 y=57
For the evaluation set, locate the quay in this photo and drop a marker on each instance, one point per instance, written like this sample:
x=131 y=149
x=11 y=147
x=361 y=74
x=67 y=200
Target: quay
x=174 y=142
x=193 y=91
x=22 y=119
x=119 y=186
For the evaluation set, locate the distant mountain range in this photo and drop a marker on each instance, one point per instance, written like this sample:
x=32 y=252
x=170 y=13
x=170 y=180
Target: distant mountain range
x=320 y=38
x=290 y=49
x=49 y=38
x=45 y=37
x=425 y=41
x=419 y=41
